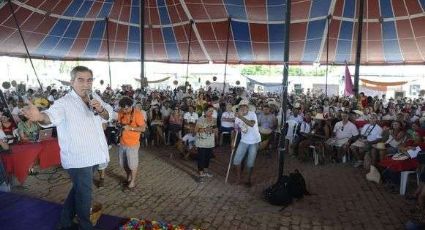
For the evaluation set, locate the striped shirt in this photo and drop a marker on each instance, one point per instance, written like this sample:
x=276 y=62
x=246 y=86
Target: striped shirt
x=80 y=134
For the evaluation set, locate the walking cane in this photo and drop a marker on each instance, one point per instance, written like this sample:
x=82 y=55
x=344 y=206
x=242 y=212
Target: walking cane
x=231 y=157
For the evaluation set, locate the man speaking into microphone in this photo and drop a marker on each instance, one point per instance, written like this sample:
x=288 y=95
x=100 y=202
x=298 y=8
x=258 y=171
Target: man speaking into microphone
x=81 y=139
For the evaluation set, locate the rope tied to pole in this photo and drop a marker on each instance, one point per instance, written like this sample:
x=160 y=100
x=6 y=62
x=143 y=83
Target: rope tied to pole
x=25 y=44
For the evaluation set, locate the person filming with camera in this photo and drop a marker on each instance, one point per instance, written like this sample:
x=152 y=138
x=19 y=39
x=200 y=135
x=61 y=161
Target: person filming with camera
x=131 y=122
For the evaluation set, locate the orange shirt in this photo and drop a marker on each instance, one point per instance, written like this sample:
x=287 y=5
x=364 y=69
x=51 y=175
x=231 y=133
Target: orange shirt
x=131 y=138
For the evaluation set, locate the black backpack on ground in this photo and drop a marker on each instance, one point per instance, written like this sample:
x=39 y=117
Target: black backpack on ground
x=286 y=189
x=297 y=186
x=278 y=193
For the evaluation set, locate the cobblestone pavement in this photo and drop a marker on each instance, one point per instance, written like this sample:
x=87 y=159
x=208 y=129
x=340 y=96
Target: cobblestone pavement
x=167 y=190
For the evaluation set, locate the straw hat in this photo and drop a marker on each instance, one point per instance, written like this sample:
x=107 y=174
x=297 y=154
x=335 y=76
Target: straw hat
x=244 y=102
x=272 y=101
x=358 y=112
x=319 y=116
x=380 y=145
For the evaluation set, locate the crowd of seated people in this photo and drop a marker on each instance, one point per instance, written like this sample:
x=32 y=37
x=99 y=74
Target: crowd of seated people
x=363 y=130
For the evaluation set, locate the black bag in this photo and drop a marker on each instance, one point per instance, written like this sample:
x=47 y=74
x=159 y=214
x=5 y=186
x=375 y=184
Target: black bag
x=288 y=187
x=297 y=186
x=279 y=193
x=112 y=135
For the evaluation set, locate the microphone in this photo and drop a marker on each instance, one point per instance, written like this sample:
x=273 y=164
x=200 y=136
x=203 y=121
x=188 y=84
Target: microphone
x=90 y=95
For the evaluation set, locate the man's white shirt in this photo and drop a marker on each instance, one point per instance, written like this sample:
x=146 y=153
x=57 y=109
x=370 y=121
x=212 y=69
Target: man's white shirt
x=371 y=132
x=345 y=131
x=298 y=118
x=80 y=134
x=165 y=112
x=227 y=115
x=190 y=117
x=305 y=127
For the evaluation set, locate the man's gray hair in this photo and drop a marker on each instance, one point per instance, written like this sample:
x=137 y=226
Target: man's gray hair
x=79 y=68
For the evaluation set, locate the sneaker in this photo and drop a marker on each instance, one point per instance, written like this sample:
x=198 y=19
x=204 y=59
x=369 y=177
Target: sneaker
x=358 y=164
x=207 y=174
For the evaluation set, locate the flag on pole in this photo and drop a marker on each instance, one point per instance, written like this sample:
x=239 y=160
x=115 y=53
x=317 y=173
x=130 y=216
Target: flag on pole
x=348 y=91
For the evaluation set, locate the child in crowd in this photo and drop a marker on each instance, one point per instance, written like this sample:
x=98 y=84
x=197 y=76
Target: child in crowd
x=186 y=145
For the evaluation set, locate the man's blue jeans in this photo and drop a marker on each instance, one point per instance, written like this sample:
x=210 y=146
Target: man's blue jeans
x=79 y=198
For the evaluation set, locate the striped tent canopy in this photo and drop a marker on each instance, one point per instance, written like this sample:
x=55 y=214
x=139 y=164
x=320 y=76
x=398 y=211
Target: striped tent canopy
x=394 y=30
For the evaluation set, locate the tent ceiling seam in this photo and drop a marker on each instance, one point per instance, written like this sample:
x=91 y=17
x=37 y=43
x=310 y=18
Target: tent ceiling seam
x=195 y=30
x=325 y=32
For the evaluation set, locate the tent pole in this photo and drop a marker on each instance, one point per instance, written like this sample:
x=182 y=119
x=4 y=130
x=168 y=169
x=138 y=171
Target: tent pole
x=282 y=149
x=25 y=44
x=327 y=54
x=227 y=53
x=359 y=48
x=142 y=42
x=188 y=52
x=109 y=54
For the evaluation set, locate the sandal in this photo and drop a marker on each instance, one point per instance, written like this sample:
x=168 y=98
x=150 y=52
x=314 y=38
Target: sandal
x=124 y=183
x=101 y=183
x=128 y=189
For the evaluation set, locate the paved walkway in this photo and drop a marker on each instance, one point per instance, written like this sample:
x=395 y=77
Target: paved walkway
x=167 y=190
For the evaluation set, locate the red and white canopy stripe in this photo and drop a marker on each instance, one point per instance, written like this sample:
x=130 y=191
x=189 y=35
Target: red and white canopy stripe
x=394 y=30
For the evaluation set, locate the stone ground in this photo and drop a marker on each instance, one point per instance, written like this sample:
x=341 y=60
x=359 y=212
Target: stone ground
x=167 y=190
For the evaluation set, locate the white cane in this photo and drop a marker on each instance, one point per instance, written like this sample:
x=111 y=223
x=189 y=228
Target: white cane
x=231 y=157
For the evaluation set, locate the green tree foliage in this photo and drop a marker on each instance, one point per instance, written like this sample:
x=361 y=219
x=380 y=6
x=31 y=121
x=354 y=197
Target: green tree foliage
x=250 y=70
x=258 y=70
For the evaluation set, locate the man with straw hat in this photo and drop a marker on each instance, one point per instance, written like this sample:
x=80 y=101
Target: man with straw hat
x=344 y=134
x=250 y=137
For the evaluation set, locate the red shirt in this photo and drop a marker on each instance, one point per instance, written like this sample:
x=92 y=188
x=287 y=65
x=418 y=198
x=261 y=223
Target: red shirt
x=363 y=100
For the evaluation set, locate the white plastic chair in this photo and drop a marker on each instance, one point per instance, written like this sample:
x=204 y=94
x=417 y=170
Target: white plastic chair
x=292 y=130
x=221 y=137
x=315 y=155
x=403 y=180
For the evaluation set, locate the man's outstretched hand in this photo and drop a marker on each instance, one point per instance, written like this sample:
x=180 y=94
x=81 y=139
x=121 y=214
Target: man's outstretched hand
x=31 y=112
